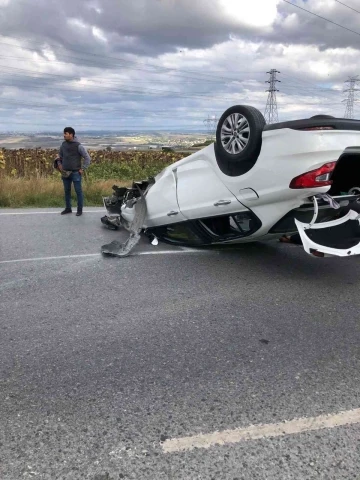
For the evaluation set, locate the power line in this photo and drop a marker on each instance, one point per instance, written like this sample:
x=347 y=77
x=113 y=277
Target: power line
x=166 y=94
x=122 y=61
x=302 y=80
x=357 y=11
x=221 y=78
x=121 y=89
x=149 y=91
x=152 y=93
x=323 y=18
x=307 y=92
x=188 y=79
x=122 y=83
x=132 y=81
x=124 y=86
x=196 y=123
x=131 y=68
x=86 y=108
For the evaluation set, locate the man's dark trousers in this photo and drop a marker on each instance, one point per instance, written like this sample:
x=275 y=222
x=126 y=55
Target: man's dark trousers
x=75 y=178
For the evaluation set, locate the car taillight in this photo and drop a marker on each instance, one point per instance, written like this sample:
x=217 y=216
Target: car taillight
x=316 y=178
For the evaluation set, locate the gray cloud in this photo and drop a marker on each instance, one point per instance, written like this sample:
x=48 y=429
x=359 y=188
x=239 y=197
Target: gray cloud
x=167 y=62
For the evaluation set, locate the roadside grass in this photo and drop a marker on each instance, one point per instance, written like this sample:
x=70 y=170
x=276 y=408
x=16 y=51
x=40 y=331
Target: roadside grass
x=49 y=192
x=28 y=179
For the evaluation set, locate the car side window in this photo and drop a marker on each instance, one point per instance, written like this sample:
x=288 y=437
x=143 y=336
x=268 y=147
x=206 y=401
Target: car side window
x=243 y=222
x=230 y=226
x=181 y=233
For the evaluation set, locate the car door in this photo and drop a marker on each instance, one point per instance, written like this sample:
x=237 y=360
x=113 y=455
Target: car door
x=162 y=204
x=201 y=194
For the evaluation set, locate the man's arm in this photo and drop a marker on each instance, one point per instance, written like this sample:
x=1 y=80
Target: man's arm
x=59 y=159
x=83 y=152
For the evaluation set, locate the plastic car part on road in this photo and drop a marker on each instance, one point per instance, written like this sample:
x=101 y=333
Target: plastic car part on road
x=339 y=237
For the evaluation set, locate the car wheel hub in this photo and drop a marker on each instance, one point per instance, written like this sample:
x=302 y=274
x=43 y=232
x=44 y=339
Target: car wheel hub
x=235 y=133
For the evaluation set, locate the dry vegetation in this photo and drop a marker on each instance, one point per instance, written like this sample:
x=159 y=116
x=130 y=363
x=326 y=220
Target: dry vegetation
x=49 y=192
x=30 y=163
x=27 y=177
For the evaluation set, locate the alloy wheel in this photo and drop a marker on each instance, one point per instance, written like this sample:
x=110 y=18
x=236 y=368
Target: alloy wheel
x=235 y=133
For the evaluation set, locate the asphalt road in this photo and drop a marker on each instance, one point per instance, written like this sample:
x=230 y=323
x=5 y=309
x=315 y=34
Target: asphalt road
x=105 y=360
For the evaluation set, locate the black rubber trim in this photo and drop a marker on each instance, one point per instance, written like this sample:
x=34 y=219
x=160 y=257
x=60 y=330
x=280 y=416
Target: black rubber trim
x=335 y=123
x=350 y=150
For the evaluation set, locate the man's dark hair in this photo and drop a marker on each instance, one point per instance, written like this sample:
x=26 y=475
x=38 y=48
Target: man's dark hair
x=69 y=130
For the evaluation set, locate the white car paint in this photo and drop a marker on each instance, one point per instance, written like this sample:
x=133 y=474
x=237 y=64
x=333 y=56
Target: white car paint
x=285 y=154
x=195 y=187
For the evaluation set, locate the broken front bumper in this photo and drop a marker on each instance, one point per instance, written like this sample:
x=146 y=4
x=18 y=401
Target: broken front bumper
x=339 y=237
x=133 y=225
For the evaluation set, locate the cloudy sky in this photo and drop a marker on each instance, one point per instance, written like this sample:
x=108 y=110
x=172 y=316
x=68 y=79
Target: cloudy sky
x=171 y=64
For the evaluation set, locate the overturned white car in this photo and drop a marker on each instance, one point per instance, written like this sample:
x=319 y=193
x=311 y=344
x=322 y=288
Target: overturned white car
x=255 y=182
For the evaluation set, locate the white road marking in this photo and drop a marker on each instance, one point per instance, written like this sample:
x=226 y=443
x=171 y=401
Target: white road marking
x=62 y=257
x=254 y=432
x=55 y=212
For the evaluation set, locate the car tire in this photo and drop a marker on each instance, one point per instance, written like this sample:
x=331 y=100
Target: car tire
x=239 y=134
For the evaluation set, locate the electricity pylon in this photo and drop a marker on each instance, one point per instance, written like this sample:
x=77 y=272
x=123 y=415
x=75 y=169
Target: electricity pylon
x=211 y=123
x=271 y=114
x=351 y=96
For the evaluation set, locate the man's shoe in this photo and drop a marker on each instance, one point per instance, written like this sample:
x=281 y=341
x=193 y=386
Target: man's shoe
x=67 y=210
x=78 y=213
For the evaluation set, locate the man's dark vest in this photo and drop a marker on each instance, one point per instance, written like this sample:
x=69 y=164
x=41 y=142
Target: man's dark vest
x=71 y=158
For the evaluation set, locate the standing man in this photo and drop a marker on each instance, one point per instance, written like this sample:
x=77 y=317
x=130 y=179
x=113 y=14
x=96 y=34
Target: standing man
x=71 y=153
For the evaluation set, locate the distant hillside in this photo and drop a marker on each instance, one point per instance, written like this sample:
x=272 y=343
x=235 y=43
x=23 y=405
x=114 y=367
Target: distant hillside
x=203 y=144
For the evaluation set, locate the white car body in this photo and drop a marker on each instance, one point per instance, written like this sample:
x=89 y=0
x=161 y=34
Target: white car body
x=195 y=188
x=285 y=154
